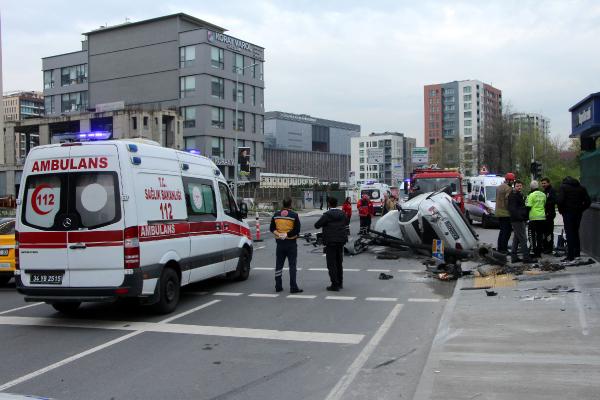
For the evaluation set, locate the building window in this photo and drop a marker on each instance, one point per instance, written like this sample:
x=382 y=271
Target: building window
x=468 y=139
x=49 y=104
x=468 y=132
x=238 y=63
x=361 y=160
x=468 y=106
x=240 y=93
x=468 y=122
x=218 y=147
x=361 y=144
x=240 y=121
x=467 y=89
x=217 y=88
x=145 y=122
x=253 y=123
x=73 y=75
x=432 y=93
x=467 y=114
x=189 y=116
x=48 y=82
x=448 y=91
x=467 y=97
x=362 y=176
x=217 y=58
x=253 y=95
x=187 y=86
x=259 y=67
x=187 y=56
x=218 y=117
x=77 y=101
x=260 y=124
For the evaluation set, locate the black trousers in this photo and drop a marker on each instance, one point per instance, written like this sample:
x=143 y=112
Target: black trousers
x=538 y=229
x=335 y=257
x=504 y=234
x=549 y=235
x=365 y=224
x=572 y=220
x=286 y=249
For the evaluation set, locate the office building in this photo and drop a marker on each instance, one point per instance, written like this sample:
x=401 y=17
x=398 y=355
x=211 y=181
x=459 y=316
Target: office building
x=175 y=62
x=162 y=126
x=269 y=180
x=530 y=122
x=326 y=167
x=456 y=114
x=382 y=157
x=23 y=105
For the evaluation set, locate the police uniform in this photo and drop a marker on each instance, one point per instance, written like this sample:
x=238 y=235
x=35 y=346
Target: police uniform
x=285 y=225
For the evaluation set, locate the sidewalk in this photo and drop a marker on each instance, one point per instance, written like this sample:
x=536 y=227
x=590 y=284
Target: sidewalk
x=524 y=343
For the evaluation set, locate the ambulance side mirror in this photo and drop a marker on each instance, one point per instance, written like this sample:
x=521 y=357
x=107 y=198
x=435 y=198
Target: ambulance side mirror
x=243 y=210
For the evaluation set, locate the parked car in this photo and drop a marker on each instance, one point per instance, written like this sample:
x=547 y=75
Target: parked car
x=7 y=250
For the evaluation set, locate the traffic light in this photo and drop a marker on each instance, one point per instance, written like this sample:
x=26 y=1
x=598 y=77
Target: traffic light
x=536 y=170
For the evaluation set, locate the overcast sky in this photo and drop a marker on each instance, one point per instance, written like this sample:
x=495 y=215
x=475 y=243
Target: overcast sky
x=356 y=61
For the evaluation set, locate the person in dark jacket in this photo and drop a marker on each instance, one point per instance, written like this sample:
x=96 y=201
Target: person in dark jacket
x=333 y=223
x=551 y=198
x=573 y=200
x=518 y=219
x=285 y=225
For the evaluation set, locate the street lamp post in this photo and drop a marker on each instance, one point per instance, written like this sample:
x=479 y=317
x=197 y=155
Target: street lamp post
x=238 y=70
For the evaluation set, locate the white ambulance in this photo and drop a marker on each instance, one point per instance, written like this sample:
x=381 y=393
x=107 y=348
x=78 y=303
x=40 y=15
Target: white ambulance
x=98 y=221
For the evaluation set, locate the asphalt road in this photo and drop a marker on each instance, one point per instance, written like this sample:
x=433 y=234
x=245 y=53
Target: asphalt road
x=236 y=340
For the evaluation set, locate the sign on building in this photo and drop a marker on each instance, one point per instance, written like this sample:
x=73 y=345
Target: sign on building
x=375 y=156
x=420 y=155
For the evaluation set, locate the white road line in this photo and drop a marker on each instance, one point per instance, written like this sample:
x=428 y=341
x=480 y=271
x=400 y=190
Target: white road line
x=410 y=270
x=263 y=295
x=340 y=388
x=412 y=300
x=186 y=329
x=183 y=314
x=227 y=294
x=317 y=269
x=41 y=371
x=378 y=270
x=351 y=270
x=382 y=299
x=263 y=268
x=20 y=308
x=259 y=248
x=340 y=298
x=301 y=296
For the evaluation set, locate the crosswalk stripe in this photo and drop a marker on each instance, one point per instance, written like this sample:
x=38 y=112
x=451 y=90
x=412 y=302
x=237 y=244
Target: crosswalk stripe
x=301 y=296
x=340 y=298
x=381 y=299
x=270 y=295
x=413 y=300
x=227 y=294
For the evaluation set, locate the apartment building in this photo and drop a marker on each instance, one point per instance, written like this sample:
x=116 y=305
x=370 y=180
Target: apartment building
x=20 y=105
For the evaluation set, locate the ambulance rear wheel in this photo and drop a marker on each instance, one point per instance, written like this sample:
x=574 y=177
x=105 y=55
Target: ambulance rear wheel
x=169 y=291
x=243 y=268
x=66 y=307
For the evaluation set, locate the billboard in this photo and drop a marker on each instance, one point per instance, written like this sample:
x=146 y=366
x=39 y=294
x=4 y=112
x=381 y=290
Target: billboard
x=244 y=160
x=420 y=155
x=375 y=156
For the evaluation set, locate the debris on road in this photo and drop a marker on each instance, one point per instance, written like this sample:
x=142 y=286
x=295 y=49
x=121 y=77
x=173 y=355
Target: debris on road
x=384 y=276
x=491 y=293
x=476 y=288
x=561 y=289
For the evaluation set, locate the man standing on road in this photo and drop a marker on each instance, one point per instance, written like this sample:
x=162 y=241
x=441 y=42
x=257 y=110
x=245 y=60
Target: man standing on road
x=365 y=210
x=551 y=198
x=536 y=203
x=573 y=200
x=333 y=223
x=502 y=193
x=518 y=218
x=285 y=225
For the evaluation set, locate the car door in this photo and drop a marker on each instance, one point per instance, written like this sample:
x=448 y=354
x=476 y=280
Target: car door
x=231 y=228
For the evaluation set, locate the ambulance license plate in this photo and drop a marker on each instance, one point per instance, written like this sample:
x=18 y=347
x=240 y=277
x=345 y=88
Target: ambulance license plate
x=46 y=278
x=3 y=252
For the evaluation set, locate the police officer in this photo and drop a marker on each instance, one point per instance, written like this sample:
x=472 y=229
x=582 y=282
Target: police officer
x=285 y=225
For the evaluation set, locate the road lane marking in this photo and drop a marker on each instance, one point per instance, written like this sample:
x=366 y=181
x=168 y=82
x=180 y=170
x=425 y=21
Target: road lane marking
x=263 y=268
x=411 y=270
x=340 y=388
x=20 y=308
x=351 y=270
x=340 y=298
x=317 y=269
x=193 y=310
x=76 y=357
x=381 y=299
x=272 y=295
x=227 y=294
x=378 y=270
x=301 y=296
x=259 y=248
x=187 y=329
x=413 y=300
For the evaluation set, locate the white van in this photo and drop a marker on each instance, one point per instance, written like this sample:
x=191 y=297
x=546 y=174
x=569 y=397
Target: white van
x=376 y=192
x=98 y=221
x=480 y=201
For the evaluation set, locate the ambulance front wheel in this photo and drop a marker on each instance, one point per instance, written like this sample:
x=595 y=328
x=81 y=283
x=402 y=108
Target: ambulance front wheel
x=169 y=290
x=243 y=268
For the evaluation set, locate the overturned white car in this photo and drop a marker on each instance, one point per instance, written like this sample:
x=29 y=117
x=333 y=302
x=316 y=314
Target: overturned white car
x=426 y=217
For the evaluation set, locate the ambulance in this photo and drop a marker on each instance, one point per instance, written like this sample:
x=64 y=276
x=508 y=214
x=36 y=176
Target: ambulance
x=376 y=192
x=99 y=221
x=480 y=201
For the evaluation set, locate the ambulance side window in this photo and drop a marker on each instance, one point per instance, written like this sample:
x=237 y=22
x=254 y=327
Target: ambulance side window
x=200 y=199
x=229 y=206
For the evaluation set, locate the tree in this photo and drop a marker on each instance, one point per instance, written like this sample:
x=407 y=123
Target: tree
x=498 y=141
